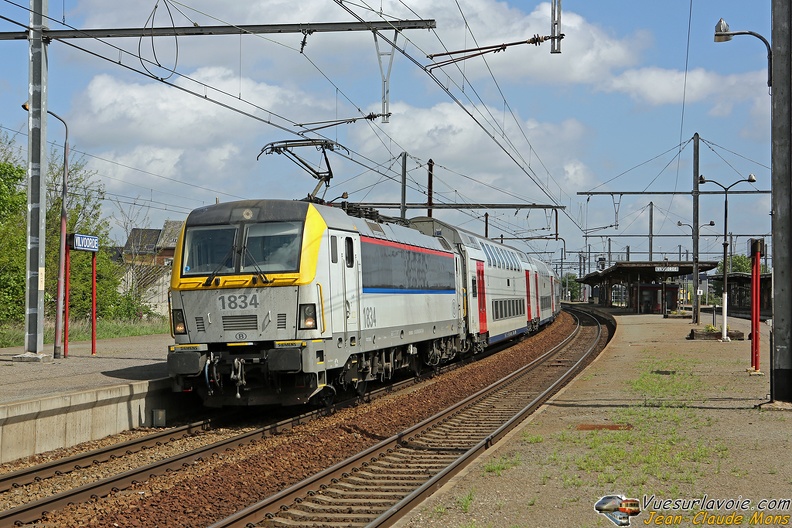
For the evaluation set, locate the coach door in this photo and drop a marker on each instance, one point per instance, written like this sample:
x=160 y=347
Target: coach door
x=351 y=287
x=344 y=288
x=482 y=297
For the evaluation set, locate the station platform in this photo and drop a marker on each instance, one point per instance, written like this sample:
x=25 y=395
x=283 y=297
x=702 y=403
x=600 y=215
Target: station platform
x=657 y=417
x=55 y=403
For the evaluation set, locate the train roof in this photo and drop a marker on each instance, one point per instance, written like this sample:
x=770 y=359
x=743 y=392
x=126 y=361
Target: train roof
x=296 y=210
x=457 y=235
x=248 y=211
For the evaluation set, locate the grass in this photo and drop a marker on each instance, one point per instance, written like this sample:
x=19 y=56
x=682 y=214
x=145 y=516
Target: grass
x=655 y=454
x=502 y=464
x=80 y=330
x=531 y=438
x=465 y=502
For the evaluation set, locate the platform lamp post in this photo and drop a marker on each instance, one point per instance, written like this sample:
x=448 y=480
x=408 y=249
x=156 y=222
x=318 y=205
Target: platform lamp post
x=696 y=299
x=722 y=34
x=750 y=179
x=62 y=257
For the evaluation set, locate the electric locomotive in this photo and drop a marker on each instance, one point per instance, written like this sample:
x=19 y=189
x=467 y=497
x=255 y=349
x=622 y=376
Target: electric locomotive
x=277 y=302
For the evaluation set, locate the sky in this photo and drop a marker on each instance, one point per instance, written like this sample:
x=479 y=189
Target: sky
x=170 y=124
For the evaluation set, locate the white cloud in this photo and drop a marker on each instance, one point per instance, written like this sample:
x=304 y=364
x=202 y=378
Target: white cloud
x=658 y=86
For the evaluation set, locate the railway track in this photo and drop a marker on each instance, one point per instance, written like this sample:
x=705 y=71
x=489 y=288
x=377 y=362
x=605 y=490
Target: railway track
x=379 y=485
x=25 y=476
x=434 y=461
x=35 y=509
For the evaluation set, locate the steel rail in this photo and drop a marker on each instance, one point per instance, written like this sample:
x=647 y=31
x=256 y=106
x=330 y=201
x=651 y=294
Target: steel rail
x=24 y=476
x=271 y=506
x=34 y=510
x=393 y=514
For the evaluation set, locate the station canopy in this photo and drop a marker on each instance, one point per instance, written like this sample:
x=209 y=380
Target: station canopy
x=644 y=272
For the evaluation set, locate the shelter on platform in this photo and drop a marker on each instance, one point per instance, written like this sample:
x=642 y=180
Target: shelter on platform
x=740 y=294
x=642 y=287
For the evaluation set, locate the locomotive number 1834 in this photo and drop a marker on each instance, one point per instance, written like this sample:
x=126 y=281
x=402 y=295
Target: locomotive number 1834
x=238 y=302
x=369 y=317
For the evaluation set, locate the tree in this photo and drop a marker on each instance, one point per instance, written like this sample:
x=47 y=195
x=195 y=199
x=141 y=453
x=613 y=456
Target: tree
x=142 y=271
x=13 y=201
x=84 y=199
x=738 y=264
x=569 y=283
x=84 y=208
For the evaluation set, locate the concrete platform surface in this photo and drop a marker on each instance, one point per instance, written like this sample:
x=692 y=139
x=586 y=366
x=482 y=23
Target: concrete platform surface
x=117 y=362
x=46 y=405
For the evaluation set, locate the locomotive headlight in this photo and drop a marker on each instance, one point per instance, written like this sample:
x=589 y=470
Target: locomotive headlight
x=307 y=316
x=179 y=326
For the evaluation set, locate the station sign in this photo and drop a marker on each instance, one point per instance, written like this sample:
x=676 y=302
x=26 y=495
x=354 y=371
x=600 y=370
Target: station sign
x=666 y=269
x=84 y=242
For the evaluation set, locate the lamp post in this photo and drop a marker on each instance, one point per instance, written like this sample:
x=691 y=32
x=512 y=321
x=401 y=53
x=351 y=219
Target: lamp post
x=722 y=34
x=62 y=258
x=781 y=185
x=751 y=179
x=696 y=300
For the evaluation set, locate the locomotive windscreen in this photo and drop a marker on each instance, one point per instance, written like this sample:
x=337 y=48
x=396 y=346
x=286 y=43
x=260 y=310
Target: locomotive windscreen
x=244 y=248
x=274 y=246
x=209 y=250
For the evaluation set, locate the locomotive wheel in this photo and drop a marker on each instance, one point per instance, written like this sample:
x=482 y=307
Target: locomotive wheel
x=361 y=387
x=415 y=365
x=325 y=398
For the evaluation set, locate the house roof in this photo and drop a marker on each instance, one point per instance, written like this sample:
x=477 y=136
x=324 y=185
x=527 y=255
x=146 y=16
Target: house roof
x=142 y=241
x=169 y=234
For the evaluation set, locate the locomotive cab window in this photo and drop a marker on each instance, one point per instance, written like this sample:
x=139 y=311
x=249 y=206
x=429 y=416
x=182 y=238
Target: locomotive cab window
x=272 y=246
x=265 y=247
x=209 y=249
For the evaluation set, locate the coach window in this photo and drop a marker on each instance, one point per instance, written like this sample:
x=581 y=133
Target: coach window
x=349 y=252
x=487 y=254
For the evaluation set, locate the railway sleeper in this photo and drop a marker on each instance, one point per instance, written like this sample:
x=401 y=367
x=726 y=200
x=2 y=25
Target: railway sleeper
x=386 y=472
x=355 y=508
x=357 y=494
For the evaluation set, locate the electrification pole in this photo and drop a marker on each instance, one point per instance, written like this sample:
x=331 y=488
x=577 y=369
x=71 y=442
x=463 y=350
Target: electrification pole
x=36 y=185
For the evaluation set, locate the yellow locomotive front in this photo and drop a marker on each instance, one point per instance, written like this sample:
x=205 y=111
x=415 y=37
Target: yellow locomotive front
x=245 y=308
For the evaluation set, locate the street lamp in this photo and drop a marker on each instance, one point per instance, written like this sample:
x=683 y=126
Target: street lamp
x=722 y=34
x=750 y=179
x=696 y=300
x=62 y=258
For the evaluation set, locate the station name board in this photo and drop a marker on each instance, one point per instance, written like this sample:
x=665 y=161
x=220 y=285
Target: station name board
x=84 y=242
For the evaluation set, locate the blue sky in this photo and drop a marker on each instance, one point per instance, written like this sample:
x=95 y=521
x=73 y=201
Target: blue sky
x=634 y=82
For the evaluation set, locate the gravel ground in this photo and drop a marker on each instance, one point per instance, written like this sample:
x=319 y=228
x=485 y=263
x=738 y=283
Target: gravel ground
x=217 y=487
x=656 y=415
